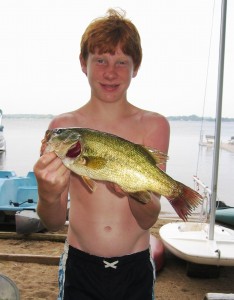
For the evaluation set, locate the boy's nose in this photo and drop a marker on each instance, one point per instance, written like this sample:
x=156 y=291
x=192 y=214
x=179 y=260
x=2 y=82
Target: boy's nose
x=110 y=72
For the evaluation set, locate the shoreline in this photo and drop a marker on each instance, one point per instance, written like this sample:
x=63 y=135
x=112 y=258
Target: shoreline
x=227 y=146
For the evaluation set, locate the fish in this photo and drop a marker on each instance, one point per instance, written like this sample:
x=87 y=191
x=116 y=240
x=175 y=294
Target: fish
x=96 y=155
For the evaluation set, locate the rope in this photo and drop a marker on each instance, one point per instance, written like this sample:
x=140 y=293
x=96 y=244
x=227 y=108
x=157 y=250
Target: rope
x=205 y=91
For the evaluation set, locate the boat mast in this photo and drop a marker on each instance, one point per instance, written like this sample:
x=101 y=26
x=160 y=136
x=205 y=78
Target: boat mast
x=218 y=118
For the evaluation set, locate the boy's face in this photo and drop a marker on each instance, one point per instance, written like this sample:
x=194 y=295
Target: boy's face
x=109 y=75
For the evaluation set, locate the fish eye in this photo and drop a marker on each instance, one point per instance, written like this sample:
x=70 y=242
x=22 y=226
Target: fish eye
x=58 y=131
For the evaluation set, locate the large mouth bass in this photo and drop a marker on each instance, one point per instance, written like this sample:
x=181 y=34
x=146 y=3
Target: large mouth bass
x=96 y=155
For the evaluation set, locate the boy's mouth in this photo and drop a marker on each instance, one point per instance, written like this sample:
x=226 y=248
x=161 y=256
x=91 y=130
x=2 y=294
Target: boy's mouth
x=110 y=87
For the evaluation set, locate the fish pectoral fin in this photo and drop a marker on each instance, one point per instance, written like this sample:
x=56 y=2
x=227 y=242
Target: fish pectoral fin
x=95 y=162
x=143 y=197
x=159 y=156
x=91 y=184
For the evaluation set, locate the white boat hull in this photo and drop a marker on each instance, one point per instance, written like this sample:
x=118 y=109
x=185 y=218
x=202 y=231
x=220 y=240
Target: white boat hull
x=190 y=241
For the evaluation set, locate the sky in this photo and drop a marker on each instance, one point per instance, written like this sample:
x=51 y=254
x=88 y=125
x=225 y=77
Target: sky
x=39 y=55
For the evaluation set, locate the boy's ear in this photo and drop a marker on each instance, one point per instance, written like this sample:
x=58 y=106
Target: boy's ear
x=83 y=64
x=134 y=74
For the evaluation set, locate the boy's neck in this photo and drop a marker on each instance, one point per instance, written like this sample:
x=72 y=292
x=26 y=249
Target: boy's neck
x=107 y=111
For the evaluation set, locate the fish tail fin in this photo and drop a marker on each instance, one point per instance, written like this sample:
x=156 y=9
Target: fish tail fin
x=186 y=201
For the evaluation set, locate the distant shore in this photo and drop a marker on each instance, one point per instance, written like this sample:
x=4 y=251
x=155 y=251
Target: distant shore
x=27 y=116
x=170 y=118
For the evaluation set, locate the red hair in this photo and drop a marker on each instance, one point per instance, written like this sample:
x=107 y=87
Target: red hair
x=106 y=33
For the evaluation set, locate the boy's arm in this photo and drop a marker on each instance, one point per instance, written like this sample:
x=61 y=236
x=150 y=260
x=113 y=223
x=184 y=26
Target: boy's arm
x=146 y=214
x=53 y=183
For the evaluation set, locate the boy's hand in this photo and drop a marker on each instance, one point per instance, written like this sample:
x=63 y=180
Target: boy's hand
x=52 y=176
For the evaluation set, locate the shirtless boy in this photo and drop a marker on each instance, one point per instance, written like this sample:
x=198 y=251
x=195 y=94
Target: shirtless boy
x=107 y=253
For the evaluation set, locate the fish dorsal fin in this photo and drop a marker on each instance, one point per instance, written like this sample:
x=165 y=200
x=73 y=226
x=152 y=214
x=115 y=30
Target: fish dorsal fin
x=159 y=156
x=91 y=184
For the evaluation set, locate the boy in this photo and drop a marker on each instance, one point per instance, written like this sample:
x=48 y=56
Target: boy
x=107 y=252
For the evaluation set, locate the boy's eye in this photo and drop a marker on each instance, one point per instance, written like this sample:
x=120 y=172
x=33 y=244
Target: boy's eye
x=122 y=63
x=100 y=61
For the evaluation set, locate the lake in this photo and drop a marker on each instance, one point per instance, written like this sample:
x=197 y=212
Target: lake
x=186 y=157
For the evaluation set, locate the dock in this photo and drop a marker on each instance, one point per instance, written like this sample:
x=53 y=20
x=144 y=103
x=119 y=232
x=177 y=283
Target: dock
x=209 y=142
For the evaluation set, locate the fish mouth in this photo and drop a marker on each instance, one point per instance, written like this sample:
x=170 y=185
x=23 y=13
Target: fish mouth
x=62 y=143
x=74 y=150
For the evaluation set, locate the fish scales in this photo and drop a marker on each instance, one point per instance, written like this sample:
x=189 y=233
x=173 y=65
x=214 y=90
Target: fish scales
x=102 y=156
x=137 y=168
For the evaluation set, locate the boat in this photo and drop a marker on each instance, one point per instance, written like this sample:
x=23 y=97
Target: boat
x=231 y=141
x=2 y=138
x=208 y=142
x=189 y=241
x=18 y=201
x=205 y=244
x=28 y=221
x=224 y=214
x=157 y=252
x=209 y=139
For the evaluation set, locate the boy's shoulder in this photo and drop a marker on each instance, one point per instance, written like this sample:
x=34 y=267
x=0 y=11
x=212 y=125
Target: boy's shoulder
x=67 y=119
x=153 y=117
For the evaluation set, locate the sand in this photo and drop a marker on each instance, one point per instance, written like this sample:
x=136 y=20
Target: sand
x=39 y=281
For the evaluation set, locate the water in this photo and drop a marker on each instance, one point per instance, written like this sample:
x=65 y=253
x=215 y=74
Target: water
x=187 y=158
x=23 y=138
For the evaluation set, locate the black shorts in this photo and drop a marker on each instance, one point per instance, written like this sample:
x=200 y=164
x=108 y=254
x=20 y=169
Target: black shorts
x=88 y=277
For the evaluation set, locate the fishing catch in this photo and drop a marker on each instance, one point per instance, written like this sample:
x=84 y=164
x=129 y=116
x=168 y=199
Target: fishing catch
x=96 y=155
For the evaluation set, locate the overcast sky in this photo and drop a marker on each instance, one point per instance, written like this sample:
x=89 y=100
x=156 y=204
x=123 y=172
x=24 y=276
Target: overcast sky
x=39 y=49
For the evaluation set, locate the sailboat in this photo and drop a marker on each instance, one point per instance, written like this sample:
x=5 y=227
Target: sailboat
x=198 y=243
